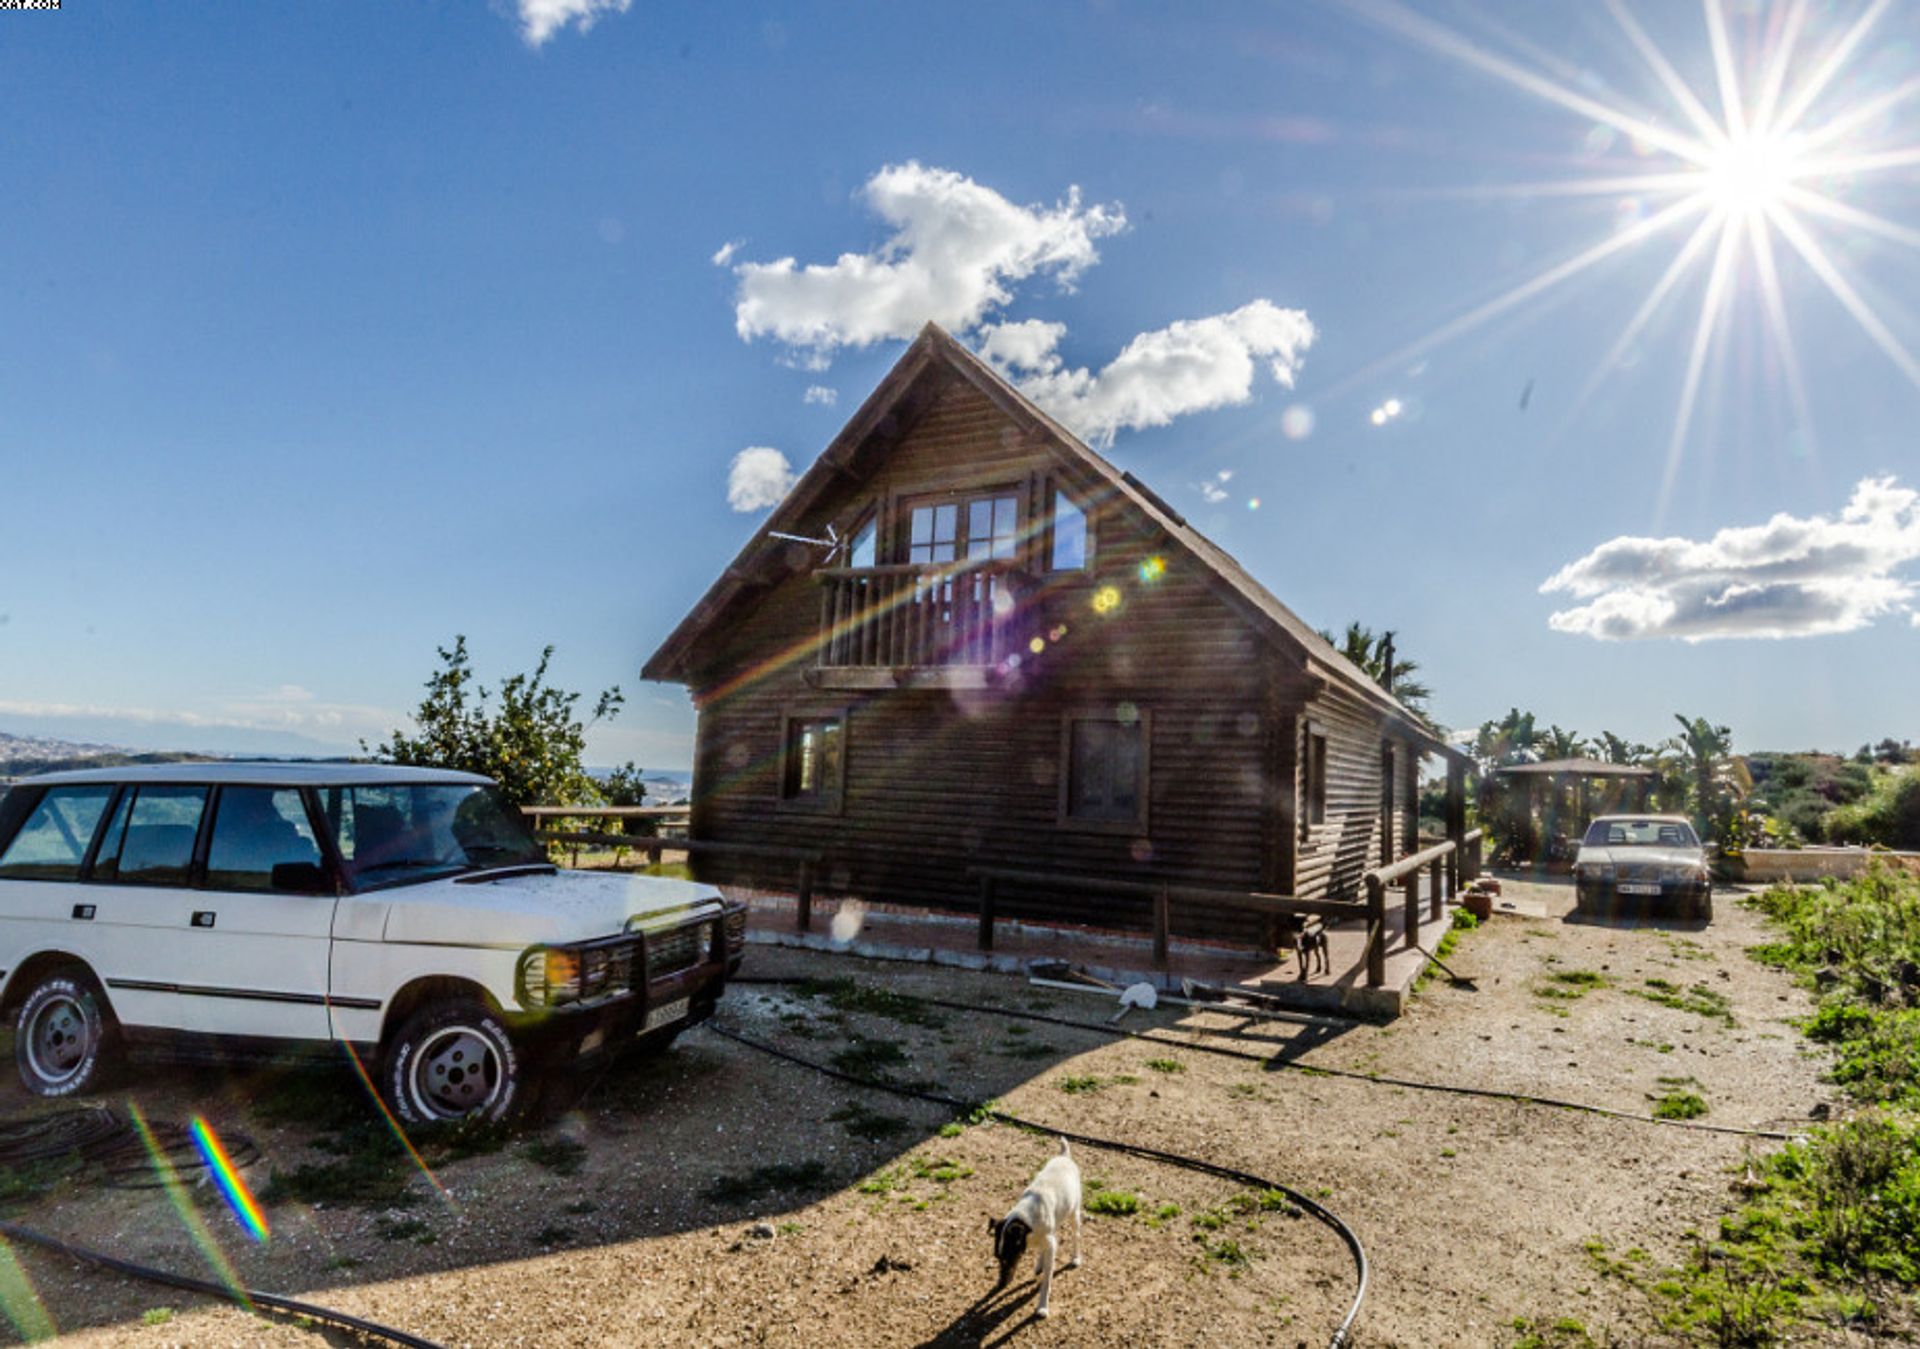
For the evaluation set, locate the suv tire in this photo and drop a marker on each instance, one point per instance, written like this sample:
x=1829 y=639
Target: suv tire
x=454 y=1061
x=64 y=1035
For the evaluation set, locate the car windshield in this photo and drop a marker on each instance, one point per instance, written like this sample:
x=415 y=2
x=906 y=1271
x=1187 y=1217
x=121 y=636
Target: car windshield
x=394 y=834
x=1641 y=834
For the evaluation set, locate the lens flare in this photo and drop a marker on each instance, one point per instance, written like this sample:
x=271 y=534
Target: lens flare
x=1106 y=599
x=19 y=1303
x=232 y=1184
x=176 y=1192
x=1153 y=569
x=399 y=1130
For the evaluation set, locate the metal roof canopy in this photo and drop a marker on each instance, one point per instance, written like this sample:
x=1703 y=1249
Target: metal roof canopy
x=1586 y=768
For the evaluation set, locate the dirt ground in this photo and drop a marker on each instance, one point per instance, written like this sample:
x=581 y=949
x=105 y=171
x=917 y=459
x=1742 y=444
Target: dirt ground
x=1474 y=1212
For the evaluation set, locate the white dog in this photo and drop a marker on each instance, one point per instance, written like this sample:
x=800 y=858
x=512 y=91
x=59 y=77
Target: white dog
x=1041 y=1213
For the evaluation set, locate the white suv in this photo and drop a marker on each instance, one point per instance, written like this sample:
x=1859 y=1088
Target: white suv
x=406 y=914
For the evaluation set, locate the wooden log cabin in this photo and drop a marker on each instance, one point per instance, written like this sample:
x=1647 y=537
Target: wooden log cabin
x=1006 y=651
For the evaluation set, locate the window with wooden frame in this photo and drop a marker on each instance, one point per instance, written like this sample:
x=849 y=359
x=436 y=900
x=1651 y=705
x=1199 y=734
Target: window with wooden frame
x=1104 y=770
x=1313 y=778
x=864 y=550
x=813 y=760
x=1067 y=544
x=975 y=528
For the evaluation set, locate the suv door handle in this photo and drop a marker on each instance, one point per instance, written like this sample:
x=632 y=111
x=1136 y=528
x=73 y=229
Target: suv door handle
x=83 y=912
x=203 y=917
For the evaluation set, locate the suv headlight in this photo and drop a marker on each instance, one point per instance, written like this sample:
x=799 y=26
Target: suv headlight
x=548 y=976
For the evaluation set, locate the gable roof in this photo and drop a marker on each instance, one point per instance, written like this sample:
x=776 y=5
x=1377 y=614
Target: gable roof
x=886 y=412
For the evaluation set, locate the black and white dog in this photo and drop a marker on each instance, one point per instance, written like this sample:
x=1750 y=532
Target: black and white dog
x=1307 y=935
x=1040 y=1215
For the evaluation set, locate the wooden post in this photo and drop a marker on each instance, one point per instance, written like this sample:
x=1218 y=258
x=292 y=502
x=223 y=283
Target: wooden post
x=1413 y=907
x=1162 y=927
x=1437 y=899
x=803 y=899
x=1456 y=823
x=1473 y=858
x=986 y=913
x=1376 y=932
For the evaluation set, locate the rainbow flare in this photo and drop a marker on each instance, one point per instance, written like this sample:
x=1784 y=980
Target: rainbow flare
x=176 y=1191
x=232 y=1184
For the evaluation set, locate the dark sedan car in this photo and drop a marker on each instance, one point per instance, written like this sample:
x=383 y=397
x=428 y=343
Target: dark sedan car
x=1652 y=861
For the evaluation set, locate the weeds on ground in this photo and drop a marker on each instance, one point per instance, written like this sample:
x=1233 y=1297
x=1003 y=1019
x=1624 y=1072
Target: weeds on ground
x=1166 y=1065
x=562 y=1156
x=1462 y=922
x=1563 y=1332
x=777 y=1178
x=868 y=1124
x=871 y=1059
x=846 y=995
x=1678 y=1103
x=1081 y=1086
x=1698 y=999
x=156 y=1316
x=395 y=1228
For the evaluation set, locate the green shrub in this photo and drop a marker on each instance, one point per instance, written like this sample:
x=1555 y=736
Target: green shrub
x=1888 y=815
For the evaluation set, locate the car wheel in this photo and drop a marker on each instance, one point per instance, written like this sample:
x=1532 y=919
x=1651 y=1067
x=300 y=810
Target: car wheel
x=63 y=1035
x=454 y=1061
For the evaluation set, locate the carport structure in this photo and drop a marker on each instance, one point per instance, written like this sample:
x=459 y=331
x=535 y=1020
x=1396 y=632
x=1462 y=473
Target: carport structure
x=1548 y=822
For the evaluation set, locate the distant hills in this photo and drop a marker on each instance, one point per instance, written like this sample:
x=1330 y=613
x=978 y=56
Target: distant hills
x=21 y=755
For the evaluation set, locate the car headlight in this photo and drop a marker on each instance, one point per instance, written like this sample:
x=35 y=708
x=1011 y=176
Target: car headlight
x=548 y=976
x=1683 y=875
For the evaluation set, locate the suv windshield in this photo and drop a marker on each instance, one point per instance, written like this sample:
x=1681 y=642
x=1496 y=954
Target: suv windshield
x=1641 y=834
x=394 y=834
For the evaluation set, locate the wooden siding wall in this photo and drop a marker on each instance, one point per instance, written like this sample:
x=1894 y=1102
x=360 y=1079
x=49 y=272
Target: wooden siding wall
x=1333 y=856
x=940 y=779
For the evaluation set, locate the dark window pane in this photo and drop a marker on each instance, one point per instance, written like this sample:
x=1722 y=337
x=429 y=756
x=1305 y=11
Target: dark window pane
x=255 y=830
x=54 y=839
x=155 y=847
x=1069 y=535
x=1104 y=771
x=813 y=759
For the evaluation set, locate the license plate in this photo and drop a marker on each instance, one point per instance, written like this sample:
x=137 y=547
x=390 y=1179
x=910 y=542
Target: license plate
x=666 y=1014
x=1637 y=888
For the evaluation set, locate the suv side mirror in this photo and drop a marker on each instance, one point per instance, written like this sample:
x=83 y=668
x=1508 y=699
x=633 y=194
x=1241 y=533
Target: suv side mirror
x=300 y=878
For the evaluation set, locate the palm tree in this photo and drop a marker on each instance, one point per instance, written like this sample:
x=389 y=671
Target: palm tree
x=1368 y=651
x=1558 y=744
x=1618 y=749
x=1718 y=779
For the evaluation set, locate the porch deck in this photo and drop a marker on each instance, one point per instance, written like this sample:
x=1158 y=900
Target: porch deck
x=887 y=932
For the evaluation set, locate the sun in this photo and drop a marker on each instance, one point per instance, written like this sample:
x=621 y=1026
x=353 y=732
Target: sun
x=1746 y=173
x=1750 y=176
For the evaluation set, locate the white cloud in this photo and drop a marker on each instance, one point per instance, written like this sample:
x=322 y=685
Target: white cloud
x=956 y=251
x=287 y=708
x=724 y=254
x=541 y=19
x=1791 y=577
x=1214 y=489
x=759 y=478
x=1193 y=365
x=820 y=394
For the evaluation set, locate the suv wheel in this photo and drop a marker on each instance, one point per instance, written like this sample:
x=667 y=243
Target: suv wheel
x=62 y=1033
x=453 y=1061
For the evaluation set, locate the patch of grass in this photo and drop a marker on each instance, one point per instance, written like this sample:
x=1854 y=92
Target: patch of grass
x=1028 y=1050
x=940 y=1170
x=1226 y=1253
x=871 y=1059
x=156 y=1316
x=560 y=1155
x=847 y=995
x=1698 y=999
x=370 y=1169
x=1166 y=1065
x=790 y=1229
x=1563 y=1332
x=405 y=1229
x=953 y=1128
x=1163 y=1214
x=1579 y=978
x=553 y=1235
x=778 y=1178
x=868 y=1124
x=1675 y=1103
x=1112 y=1203
x=1080 y=1086
x=1246 y=1091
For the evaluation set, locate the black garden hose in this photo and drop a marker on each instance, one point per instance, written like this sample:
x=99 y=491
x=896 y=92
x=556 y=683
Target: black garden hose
x=1342 y=1335
x=1312 y=1070
x=247 y=1297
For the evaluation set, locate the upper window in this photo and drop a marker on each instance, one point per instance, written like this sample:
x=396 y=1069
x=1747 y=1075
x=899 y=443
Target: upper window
x=864 y=551
x=151 y=838
x=256 y=829
x=53 y=841
x=993 y=528
x=976 y=530
x=1106 y=770
x=394 y=834
x=815 y=759
x=933 y=531
x=1069 y=552
x=1315 y=784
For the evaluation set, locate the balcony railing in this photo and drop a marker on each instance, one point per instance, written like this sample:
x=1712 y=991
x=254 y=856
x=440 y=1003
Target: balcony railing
x=900 y=617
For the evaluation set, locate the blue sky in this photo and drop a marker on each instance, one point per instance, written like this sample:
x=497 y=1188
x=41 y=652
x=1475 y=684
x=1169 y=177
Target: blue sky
x=334 y=331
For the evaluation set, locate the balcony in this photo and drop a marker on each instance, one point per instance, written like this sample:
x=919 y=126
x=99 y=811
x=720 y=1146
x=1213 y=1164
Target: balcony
x=942 y=626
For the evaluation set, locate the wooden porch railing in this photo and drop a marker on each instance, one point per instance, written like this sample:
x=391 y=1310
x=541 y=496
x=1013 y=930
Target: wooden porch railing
x=1164 y=894
x=1446 y=863
x=896 y=617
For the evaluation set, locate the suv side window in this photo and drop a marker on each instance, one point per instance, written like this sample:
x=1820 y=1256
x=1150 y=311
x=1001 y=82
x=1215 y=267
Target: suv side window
x=150 y=841
x=53 y=841
x=256 y=829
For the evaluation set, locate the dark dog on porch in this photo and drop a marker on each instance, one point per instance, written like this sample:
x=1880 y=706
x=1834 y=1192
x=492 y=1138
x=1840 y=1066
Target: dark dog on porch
x=1306 y=934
